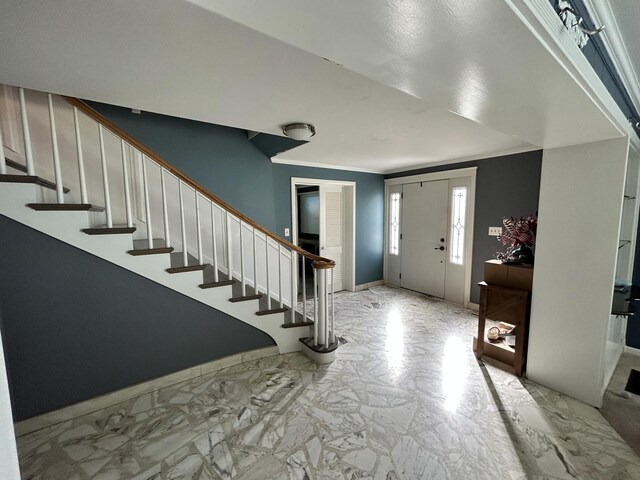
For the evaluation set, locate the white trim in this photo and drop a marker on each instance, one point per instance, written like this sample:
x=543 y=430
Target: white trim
x=543 y=22
x=349 y=277
x=367 y=286
x=429 y=177
x=469 y=172
x=113 y=398
x=470 y=158
x=408 y=168
x=300 y=163
x=473 y=306
x=469 y=246
x=601 y=14
x=312 y=182
x=631 y=350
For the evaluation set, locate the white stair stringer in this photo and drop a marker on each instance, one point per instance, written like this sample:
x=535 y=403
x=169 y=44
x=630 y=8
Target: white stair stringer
x=66 y=226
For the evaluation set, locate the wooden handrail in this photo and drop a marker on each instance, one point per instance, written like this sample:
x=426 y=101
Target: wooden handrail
x=318 y=262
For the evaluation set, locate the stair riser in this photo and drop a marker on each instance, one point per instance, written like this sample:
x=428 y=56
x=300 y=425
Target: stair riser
x=66 y=226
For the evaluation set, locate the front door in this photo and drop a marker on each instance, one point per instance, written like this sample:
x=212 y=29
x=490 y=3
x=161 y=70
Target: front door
x=424 y=236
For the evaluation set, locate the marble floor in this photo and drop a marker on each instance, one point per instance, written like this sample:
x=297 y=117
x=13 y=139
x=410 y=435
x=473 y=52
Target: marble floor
x=405 y=399
x=621 y=408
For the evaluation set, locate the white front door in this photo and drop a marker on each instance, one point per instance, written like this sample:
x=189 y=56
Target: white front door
x=423 y=241
x=332 y=230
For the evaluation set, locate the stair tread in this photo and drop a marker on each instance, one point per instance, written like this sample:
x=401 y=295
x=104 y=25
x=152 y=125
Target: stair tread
x=245 y=298
x=308 y=341
x=9 y=178
x=271 y=311
x=109 y=230
x=188 y=268
x=65 y=207
x=308 y=323
x=136 y=252
x=220 y=283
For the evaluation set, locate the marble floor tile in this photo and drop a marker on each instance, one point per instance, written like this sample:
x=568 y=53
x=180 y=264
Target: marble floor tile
x=621 y=408
x=405 y=399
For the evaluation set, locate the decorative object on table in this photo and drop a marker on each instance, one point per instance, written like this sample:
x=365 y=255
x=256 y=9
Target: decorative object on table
x=493 y=333
x=519 y=236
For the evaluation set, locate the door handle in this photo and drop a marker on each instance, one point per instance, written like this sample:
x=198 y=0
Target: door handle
x=439 y=248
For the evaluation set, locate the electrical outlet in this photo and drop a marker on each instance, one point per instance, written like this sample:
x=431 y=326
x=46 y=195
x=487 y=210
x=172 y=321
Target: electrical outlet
x=286 y=232
x=495 y=231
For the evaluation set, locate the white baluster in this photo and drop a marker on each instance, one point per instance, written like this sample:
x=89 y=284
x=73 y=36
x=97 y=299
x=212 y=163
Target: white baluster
x=293 y=285
x=316 y=330
x=280 y=275
x=198 y=229
x=147 y=205
x=57 y=171
x=127 y=188
x=3 y=160
x=183 y=228
x=215 y=249
x=243 y=280
x=333 y=311
x=325 y=301
x=255 y=263
x=266 y=249
x=28 y=152
x=165 y=210
x=105 y=178
x=229 y=249
x=84 y=198
x=304 y=289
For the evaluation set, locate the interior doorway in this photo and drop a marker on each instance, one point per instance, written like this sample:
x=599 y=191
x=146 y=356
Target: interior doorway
x=323 y=222
x=429 y=233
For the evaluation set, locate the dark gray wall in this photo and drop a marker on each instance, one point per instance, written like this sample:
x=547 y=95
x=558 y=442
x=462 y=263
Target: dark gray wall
x=226 y=163
x=505 y=186
x=76 y=326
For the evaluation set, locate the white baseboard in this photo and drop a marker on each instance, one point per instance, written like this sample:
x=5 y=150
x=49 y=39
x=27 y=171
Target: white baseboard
x=113 y=398
x=631 y=350
x=366 y=286
x=473 y=306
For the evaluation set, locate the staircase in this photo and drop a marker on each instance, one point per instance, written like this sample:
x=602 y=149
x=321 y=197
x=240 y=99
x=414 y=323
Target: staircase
x=67 y=171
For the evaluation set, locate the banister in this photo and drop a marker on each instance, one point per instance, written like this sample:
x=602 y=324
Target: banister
x=318 y=262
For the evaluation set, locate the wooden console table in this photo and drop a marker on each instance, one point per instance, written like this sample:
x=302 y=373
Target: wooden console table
x=509 y=305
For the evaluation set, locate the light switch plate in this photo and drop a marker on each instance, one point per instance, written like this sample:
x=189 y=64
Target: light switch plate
x=495 y=231
x=286 y=232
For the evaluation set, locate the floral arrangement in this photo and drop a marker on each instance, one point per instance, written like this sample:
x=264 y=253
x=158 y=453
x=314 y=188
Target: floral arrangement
x=517 y=232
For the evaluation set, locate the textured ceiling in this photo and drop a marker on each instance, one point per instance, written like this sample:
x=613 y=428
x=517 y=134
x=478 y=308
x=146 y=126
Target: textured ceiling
x=388 y=85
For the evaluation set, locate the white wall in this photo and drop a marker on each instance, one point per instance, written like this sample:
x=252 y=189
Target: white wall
x=8 y=454
x=581 y=195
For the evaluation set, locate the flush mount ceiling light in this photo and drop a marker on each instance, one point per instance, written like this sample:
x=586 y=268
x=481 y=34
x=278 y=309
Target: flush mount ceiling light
x=299 y=131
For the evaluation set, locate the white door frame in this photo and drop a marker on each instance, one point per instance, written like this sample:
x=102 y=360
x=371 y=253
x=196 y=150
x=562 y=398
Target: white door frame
x=469 y=172
x=349 y=248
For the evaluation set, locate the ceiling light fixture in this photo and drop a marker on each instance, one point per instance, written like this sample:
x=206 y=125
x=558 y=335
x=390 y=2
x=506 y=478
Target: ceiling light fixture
x=299 y=131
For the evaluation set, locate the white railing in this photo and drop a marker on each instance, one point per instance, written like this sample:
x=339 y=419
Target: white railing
x=105 y=167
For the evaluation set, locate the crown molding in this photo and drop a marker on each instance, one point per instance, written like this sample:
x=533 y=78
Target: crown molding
x=600 y=12
x=330 y=166
x=470 y=158
x=543 y=21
